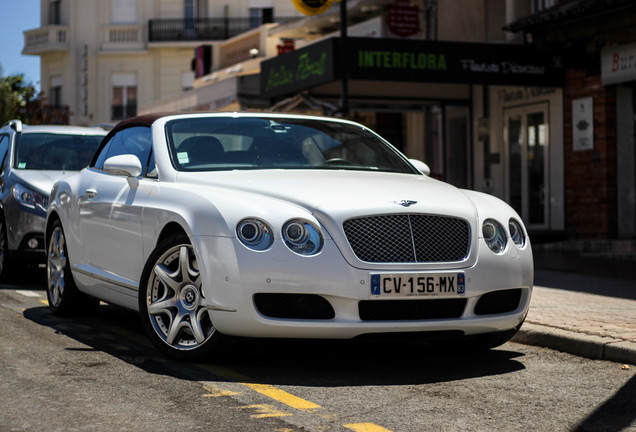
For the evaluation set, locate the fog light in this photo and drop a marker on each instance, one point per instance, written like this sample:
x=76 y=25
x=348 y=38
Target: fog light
x=32 y=243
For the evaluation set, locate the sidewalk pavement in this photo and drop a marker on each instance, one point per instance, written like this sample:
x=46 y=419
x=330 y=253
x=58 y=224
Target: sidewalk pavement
x=584 y=306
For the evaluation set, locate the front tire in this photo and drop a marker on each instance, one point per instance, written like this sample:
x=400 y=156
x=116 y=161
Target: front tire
x=61 y=290
x=171 y=302
x=4 y=251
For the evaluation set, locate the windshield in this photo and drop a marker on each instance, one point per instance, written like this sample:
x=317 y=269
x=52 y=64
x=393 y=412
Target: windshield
x=55 y=152
x=230 y=143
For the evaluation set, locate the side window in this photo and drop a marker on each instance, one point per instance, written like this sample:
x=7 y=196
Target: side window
x=134 y=140
x=4 y=148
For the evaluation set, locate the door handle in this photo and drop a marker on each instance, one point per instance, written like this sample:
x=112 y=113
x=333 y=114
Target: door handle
x=91 y=193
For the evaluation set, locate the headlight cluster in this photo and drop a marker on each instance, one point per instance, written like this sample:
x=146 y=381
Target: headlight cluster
x=299 y=235
x=496 y=237
x=29 y=197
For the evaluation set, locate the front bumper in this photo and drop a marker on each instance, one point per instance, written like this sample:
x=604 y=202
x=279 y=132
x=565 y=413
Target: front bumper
x=25 y=232
x=236 y=279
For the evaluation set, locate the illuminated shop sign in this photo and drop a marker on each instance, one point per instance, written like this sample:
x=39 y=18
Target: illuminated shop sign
x=409 y=60
x=450 y=62
x=298 y=69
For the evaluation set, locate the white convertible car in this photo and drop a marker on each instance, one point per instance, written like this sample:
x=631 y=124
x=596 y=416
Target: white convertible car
x=281 y=226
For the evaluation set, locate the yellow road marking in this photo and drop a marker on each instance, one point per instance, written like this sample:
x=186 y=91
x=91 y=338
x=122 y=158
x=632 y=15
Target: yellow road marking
x=365 y=427
x=283 y=397
x=46 y=302
x=266 y=411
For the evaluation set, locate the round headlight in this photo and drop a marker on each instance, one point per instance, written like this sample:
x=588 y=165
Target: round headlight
x=516 y=232
x=494 y=235
x=296 y=233
x=302 y=237
x=255 y=234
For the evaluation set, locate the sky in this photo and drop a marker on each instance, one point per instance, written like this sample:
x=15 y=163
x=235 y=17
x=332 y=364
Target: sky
x=19 y=15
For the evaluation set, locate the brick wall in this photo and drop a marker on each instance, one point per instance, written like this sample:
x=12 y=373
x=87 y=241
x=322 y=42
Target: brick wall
x=590 y=176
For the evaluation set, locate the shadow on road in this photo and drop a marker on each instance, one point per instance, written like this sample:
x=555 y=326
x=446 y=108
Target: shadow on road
x=118 y=332
x=616 y=414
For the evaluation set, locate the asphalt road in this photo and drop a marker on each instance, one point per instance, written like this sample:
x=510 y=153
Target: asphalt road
x=100 y=373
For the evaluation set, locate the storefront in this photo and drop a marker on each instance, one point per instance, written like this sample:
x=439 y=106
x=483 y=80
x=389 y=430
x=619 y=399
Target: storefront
x=482 y=116
x=618 y=68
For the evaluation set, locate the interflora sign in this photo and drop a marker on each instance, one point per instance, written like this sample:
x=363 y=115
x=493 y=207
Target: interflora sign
x=312 y=7
x=450 y=62
x=409 y=60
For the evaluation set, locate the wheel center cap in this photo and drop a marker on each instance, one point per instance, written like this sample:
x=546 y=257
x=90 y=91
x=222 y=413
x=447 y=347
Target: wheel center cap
x=189 y=297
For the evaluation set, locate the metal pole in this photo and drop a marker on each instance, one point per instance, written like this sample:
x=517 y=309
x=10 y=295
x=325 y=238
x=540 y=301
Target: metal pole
x=344 y=89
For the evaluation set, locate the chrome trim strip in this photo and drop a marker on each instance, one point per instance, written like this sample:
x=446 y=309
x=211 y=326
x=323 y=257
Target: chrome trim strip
x=106 y=277
x=219 y=308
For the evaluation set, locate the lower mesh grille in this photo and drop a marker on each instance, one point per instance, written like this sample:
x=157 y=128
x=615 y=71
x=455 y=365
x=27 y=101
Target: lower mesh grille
x=409 y=310
x=293 y=306
x=498 y=302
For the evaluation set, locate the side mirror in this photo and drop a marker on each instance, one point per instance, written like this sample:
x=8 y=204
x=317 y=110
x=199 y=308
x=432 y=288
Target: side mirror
x=127 y=165
x=421 y=166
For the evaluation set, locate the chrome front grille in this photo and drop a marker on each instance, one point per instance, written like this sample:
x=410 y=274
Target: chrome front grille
x=408 y=238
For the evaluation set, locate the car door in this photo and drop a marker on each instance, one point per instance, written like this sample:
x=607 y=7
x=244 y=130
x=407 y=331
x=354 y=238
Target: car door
x=110 y=208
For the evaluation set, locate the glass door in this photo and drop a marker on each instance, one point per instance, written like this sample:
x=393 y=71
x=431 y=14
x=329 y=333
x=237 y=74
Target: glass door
x=448 y=150
x=526 y=139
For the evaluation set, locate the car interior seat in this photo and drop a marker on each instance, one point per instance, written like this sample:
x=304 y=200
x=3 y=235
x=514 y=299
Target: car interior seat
x=202 y=150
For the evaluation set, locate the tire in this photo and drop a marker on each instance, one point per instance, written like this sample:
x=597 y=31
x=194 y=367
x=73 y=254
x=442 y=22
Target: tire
x=171 y=302
x=5 y=265
x=62 y=293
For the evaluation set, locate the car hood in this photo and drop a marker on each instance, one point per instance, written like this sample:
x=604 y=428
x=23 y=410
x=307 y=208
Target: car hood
x=40 y=181
x=341 y=194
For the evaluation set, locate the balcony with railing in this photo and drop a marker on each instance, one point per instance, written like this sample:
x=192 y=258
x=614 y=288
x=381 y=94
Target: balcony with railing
x=123 y=37
x=201 y=29
x=50 y=38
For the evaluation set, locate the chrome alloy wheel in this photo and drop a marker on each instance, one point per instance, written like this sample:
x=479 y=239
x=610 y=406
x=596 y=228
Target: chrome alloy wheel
x=174 y=300
x=55 y=266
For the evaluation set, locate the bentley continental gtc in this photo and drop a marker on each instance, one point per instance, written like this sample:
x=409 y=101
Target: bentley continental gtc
x=281 y=226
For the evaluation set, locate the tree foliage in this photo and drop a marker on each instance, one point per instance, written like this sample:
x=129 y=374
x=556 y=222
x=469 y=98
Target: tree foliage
x=16 y=96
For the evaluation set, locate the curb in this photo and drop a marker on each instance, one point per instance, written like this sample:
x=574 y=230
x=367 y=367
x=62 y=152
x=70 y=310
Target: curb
x=580 y=344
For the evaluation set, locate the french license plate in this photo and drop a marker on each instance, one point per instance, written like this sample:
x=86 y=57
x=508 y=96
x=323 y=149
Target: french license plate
x=417 y=284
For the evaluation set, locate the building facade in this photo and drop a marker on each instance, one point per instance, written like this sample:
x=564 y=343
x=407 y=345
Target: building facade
x=104 y=58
